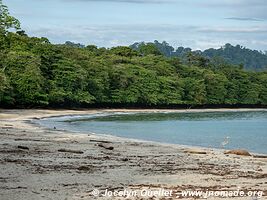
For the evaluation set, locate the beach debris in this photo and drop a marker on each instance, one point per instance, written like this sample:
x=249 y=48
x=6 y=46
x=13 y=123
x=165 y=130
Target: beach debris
x=7 y=126
x=84 y=168
x=106 y=146
x=23 y=147
x=259 y=156
x=195 y=151
x=102 y=141
x=240 y=152
x=71 y=151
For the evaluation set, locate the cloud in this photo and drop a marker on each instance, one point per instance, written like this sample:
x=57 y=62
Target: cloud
x=244 y=19
x=228 y=29
x=109 y=25
x=255 y=9
x=128 y=1
x=196 y=37
x=231 y=3
x=225 y=3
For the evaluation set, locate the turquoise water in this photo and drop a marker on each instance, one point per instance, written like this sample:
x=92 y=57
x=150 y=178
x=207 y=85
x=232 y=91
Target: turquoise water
x=247 y=130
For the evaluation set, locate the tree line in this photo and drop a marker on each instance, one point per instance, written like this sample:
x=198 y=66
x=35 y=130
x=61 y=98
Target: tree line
x=252 y=60
x=36 y=73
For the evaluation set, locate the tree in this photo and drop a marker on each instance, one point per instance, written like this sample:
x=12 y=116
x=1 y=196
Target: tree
x=69 y=84
x=263 y=91
x=170 y=90
x=23 y=69
x=72 y=44
x=7 y=21
x=34 y=72
x=92 y=48
x=194 y=91
x=164 y=48
x=124 y=84
x=215 y=88
x=148 y=49
x=196 y=59
x=124 y=51
x=3 y=85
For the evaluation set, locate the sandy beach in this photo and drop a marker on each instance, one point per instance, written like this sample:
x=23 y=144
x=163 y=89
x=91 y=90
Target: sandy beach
x=38 y=163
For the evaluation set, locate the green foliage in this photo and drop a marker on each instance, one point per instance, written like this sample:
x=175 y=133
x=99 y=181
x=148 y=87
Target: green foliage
x=215 y=87
x=3 y=85
x=194 y=91
x=263 y=91
x=234 y=55
x=238 y=55
x=37 y=73
x=7 y=21
x=23 y=70
x=69 y=84
x=124 y=51
x=147 y=49
x=34 y=72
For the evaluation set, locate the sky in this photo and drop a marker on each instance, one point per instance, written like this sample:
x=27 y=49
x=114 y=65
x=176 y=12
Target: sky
x=198 y=24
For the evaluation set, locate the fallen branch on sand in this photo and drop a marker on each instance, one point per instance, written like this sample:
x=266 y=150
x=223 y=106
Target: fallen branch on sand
x=106 y=146
x=102 y=141
x=259 y=156
x=70 y=151
x=193 y=151
x=23 y=147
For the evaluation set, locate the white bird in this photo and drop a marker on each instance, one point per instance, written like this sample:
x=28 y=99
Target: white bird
x=225 y=141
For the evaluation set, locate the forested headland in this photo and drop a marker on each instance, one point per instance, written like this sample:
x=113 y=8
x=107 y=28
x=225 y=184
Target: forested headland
x=252 y=60
x=36 y=73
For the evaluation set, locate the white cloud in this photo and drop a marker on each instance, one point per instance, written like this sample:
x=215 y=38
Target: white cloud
x=227 y=29
x=195 y=37
x=244 y=19
x=129 y=1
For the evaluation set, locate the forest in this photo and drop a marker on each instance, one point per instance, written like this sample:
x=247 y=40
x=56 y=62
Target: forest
x=252 y=60
x=37 y=73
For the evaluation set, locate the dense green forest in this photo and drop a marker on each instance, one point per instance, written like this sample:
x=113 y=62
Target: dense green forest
x=237 y=55
x=36 y=73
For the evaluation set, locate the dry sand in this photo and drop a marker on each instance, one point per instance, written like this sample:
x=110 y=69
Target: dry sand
x=37 y=163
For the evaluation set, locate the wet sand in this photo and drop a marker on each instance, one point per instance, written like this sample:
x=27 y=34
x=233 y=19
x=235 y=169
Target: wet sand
x=39 y=163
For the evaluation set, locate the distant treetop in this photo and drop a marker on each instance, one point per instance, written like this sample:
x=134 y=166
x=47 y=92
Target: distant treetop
x=237 y=55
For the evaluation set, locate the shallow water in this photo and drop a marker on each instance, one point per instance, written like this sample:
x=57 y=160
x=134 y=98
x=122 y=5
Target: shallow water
x=247 y=130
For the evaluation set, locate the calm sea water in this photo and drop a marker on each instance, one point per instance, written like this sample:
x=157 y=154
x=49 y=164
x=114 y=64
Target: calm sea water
x=247 y=130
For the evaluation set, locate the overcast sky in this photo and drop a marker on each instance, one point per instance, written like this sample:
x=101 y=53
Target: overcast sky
x=198 y=24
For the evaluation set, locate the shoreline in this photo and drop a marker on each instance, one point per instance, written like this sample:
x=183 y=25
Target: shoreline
x=43 y=171
x=127 y=111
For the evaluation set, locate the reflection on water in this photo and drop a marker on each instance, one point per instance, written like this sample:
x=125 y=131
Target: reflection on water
x=246 y=130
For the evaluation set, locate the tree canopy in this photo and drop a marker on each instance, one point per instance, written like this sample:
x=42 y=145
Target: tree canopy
x=6 y=20
x=252 y=60
x=36 y=73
